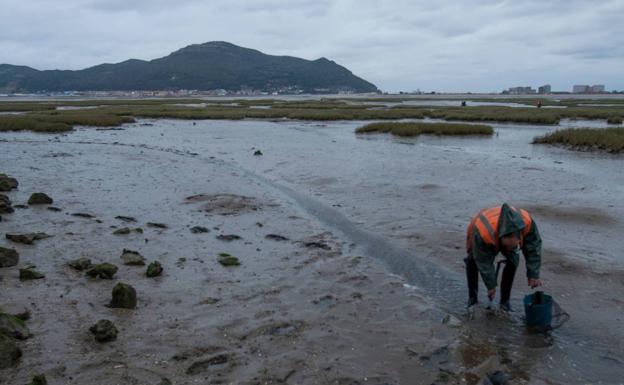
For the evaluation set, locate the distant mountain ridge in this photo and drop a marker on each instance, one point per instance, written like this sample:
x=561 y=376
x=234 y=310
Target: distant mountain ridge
x=209 y=66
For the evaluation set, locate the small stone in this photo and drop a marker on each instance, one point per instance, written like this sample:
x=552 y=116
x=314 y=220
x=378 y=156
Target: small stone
x=9 y=352
x=102 y=270
x=125 y=219
x=122 y=231
x=27 y=239
x=83 y=215
x=258 y=153
x=157 y=225
x=5 y=205
x=104 y=331
x=80 y=264
x=317 y=245
x=132 y=258
x=228 y=260
x=40 y=199
x=124 y=296
x=199 y=229
x=154 y=269
x=13 y=327
x=166 y=381
x=53 y=208
x=228 y=237
x=29 y=273
x=8 y=257
x=451 y=321
x=276 y=237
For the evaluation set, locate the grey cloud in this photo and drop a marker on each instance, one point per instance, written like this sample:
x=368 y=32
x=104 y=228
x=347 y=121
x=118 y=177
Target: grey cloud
x=447 y=45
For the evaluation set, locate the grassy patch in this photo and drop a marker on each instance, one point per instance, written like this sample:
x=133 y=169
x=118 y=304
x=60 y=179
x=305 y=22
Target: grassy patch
x=420 y=128
x=605 y=139
x=227 y=260
x=44 y=117
x=59 y=121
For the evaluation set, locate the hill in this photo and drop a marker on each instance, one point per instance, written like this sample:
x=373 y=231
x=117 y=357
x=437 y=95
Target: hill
x=208 y=66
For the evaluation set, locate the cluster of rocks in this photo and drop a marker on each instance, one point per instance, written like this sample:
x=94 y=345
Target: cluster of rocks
x=7 y=184
x=12 y=329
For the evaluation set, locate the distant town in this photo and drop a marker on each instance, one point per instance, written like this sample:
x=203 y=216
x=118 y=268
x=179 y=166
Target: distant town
x=547 y=89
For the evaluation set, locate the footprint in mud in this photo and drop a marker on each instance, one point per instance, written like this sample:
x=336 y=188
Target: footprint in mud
x=276 y=329
x=225 y=204
x=195 y=352
x=215 y=366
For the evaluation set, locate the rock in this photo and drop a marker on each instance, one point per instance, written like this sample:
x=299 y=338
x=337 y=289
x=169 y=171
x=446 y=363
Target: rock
x=39 y=379
x=122 y=231
x=8 y=257
x=228 y=260
x=228 y=237
x=199 y=229
x=496 y=378
x=132 y=258
x=157 y=225
x=40 y=199
x=24 y=315
x=451 y=321
x=27 y=239
x=102 y=270
x=9 y=352
x=5 y=205
x=55 y=209
x=124 y=296
x=489 y=365
x=127 y=230
x=13 y=327
x=276 y=237
x=104 y=331
x=29 y=273
x=258 y=153
x=20 y=206
x=7 y=183
x=82 y=215
x=154 y=269
x=4 y=185
x=80 y=264
x=318 y=245
x=125 y=219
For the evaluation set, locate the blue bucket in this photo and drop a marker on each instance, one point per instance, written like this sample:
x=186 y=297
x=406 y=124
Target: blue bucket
x=538 y=309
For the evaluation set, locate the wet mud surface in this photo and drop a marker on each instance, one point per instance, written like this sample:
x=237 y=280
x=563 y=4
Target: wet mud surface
x=350 y=255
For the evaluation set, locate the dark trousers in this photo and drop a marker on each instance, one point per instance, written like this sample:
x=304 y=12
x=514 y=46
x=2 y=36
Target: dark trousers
x=472 y=277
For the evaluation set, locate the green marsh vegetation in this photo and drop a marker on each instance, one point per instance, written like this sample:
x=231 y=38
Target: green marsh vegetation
x=584 y=139
x=420 y=128
x=46 y=117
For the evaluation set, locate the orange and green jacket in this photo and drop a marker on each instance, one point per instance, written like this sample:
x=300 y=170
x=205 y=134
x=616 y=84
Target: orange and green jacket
x=483 y=240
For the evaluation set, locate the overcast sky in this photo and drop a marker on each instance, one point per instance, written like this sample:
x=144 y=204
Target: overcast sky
x=443 y=45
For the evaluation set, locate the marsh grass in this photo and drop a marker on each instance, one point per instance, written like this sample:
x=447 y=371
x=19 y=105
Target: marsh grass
x=44 y=117
x=59 y=121
x=583 y=139
x=420 y=128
